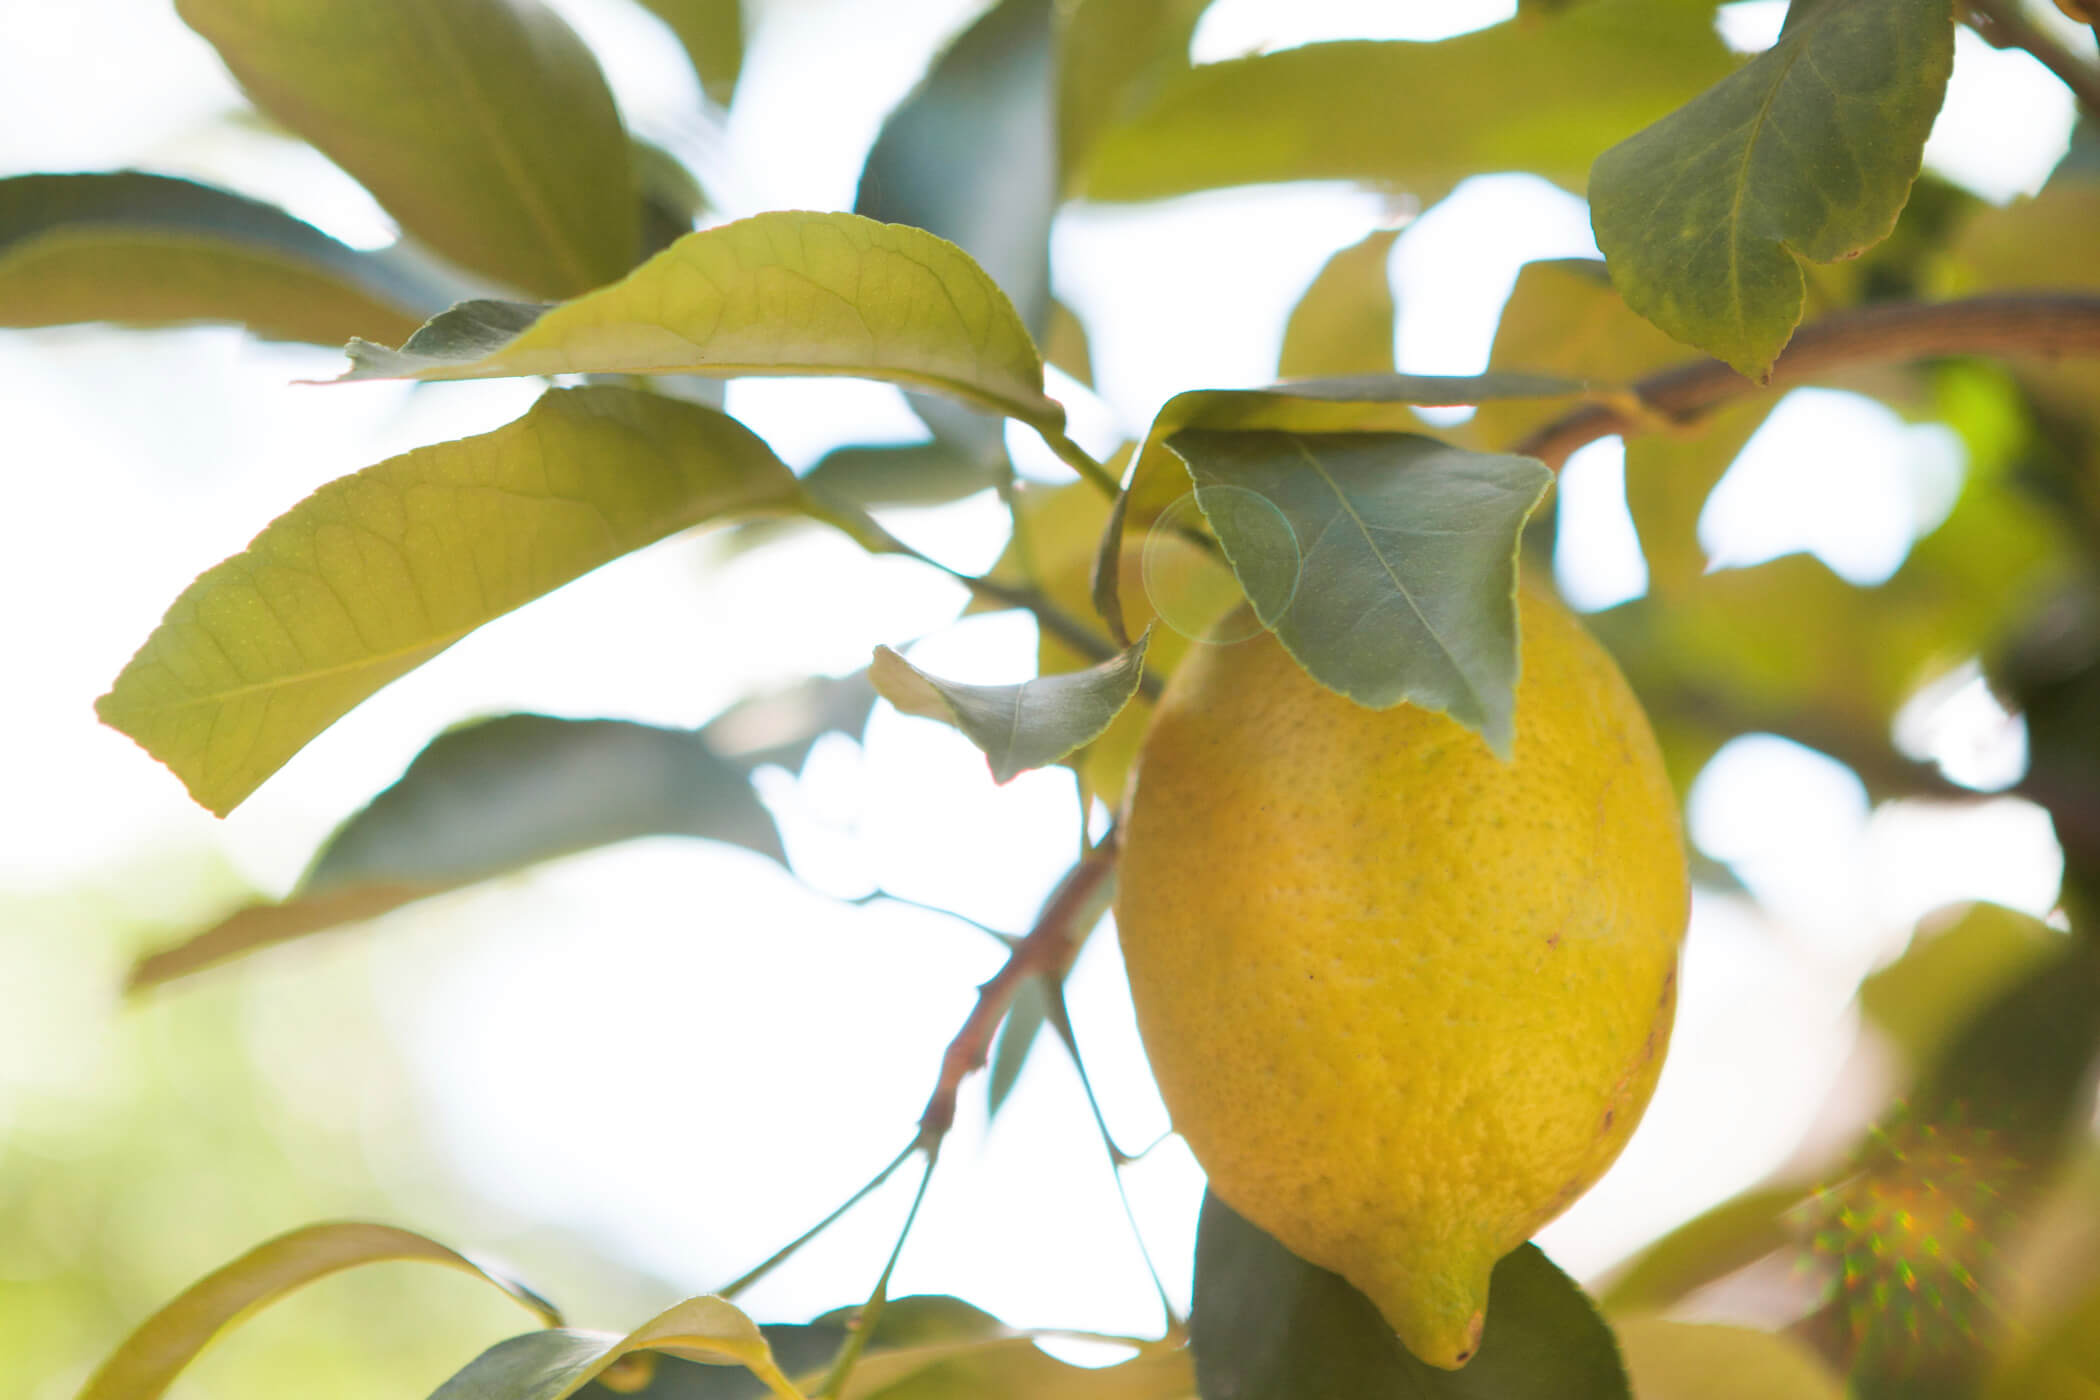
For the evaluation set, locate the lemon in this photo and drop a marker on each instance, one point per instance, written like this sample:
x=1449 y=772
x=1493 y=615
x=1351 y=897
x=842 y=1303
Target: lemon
x=1405 y=1001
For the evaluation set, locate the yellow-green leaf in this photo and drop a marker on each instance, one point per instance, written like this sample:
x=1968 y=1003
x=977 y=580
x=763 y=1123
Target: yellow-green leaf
x=1544 y=96
x=151 y=1357
x=1718 y=1241
x=484 y=126
x=1950 y=972
x=148 y=250
x=555 y=1364
x=784 y=293
x=1807 y=153
x=1016 y=1366
x=1696 y=1361
x=1018 y=726
x=1344 y=322
x=1113 y=57
x=377 y=572
x=712 y=34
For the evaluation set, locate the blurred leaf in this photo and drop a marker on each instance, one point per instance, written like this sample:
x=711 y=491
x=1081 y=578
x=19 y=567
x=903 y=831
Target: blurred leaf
x=673 y=201
x=1418 y=116
x=555 y=1364
x=1952 y=971
x=1113 y=56
x=1669 y=477
x=147 y=250
x=487 y=799
x=1023 y=1026
x=1269 y=1326
x=798 y=1349
x=379 y=571
x=484 y=126
x=1020 y=726
x=924 y=1319
x=784 y=294
x=1717 y=1242
x=1065 y=344
x=1808 y=152
x=1396 y=578
x=900 y=474
x=151 y=1357
x=1693 y=1361
x=712 y=34
x=1015 y=1366
x=781 y=727
x=1344 y=322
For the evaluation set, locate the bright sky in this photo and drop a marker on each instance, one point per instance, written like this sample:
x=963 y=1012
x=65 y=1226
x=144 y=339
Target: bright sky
x=681 y=1050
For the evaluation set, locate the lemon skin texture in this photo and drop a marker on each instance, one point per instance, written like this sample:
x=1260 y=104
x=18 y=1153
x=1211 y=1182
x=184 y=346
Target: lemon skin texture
x=1404 y=1001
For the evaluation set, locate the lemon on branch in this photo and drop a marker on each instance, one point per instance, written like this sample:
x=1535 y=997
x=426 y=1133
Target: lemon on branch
x=1405 y=1001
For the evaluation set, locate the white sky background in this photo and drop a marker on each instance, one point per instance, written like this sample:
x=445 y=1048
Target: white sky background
x=747 y=1051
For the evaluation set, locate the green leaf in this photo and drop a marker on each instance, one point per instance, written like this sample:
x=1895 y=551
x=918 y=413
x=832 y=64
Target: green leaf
x=906 y=474
x=486 y=799
x=484 y=126
x=1539 y=96
x=1406 y=557
x=150 y=1358
x=1808 y=152
x=1017 y=1036
x=1694 y=1361
x=1023 y=726
x=377 y=572
x=553 y=1365
x=1739 y=1231
x=780 y=727
x=1269 y=1326
x=1344 y=323
x=712 y=34
x=1113 y=57
x=1015 y=1366
x=1950 y=972
x=147 y=250
x=776 y=294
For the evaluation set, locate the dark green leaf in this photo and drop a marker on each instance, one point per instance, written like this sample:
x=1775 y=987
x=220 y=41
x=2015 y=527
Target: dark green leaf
x=1405 y=558
x=147 y=250
x=785 y=293
x=1808 y=152
x=1343 y=325
x=1020 y=726
x=553 y=1365
x=484 y=126
x=712 y=34
x=489 y=798
x=379 y=571
x=1540 y=96
x=1269 y=1326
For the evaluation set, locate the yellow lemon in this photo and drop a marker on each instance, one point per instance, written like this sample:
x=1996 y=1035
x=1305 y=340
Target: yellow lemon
x=1405 y=1001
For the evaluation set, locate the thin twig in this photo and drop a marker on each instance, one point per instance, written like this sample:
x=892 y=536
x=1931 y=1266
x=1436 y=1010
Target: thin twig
x=888 y=897
x=2048 y=325
x=1046 y=948
x=2000 y=24
x=788 y=1250
x=863 y=1326
x=1079 y=460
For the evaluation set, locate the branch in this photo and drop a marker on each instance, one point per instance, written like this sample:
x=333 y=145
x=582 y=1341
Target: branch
x=1046 y=948
x=2000 y=24
x=2049 y=325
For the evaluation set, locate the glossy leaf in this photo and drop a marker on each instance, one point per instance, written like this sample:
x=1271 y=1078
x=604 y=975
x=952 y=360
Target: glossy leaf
x=553 y=1365
x=379 y=571
x=148 y=250
x=1113 y=57
x=712 y=35
x=1418 y=116
x=484 y=126
x=1807 y=153
x=1695 y=1361
x=1406 y=558
x=1020 y=726
x=152 y=1357
x=1952 y=971
x=486 y=799
x=781 y=294
x=1344 y=322
x=1269 y=1326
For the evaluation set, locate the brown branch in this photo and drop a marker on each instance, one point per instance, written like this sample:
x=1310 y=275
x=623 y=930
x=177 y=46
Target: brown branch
x=1048 y=946
x=2050 y=325
x=2000 y=24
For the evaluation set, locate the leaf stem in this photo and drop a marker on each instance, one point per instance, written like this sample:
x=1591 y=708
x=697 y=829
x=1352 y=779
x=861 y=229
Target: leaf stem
x=2001 y=25
x=1078 y=459
x=2047 y=325
x=1046 y=948
x=871 y=1313
x=788 y=1250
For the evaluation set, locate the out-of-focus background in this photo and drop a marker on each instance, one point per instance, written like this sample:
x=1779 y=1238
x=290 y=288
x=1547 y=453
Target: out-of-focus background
x=635 y=1073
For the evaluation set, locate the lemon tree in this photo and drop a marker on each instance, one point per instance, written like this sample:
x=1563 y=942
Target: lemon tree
x=1393 y=839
